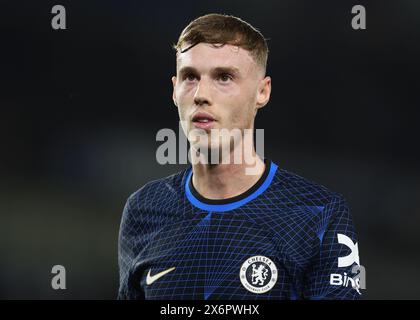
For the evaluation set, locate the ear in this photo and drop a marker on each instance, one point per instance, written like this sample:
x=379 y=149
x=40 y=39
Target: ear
x=264 y=91
x=173 y=90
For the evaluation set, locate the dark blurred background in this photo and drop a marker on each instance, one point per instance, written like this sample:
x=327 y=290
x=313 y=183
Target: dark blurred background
x=80 y=109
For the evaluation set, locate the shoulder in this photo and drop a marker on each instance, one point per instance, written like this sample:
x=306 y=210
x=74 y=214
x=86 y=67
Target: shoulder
x=157 y=192
x=306 y=192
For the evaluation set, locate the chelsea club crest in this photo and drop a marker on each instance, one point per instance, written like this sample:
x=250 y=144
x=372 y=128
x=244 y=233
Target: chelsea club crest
x=258 y=274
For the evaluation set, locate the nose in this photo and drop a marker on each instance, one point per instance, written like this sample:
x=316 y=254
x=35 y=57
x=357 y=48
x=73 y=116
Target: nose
x=202 y=93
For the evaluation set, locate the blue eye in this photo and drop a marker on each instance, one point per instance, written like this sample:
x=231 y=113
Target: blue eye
x=190 y=77
x=225 y=77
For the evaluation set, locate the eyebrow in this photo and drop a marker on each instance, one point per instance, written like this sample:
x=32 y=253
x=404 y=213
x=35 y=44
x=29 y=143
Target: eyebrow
x=233 y=70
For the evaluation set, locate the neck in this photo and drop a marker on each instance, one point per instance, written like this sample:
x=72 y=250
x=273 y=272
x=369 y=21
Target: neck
x=222 y=181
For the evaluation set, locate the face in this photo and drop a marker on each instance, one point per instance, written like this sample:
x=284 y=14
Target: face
x=218 y=87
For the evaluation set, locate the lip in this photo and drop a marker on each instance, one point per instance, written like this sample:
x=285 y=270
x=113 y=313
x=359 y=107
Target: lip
x=208 y=123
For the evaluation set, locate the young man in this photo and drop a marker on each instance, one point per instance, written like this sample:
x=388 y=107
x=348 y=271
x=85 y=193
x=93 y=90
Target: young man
x=214 y=231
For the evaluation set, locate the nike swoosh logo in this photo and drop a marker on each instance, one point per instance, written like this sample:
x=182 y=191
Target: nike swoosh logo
x=150 y=279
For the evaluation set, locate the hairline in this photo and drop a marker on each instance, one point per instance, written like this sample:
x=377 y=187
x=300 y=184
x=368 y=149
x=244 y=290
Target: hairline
x=259 y=66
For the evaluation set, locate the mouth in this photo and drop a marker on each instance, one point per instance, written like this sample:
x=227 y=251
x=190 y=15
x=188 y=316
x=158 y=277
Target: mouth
x=203 y=120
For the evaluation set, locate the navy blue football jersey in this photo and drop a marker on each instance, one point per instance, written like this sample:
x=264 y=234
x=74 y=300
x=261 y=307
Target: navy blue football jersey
x=284 y=238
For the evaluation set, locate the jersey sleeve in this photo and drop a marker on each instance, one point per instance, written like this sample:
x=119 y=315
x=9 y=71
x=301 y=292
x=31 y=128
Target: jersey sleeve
x=126 y=251
x=333 y=272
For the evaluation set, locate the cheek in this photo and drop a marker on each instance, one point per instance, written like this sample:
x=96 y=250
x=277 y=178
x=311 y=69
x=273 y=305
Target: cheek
x=237 y=117
x=241 y=113
x=182 y=102
x=185 y=91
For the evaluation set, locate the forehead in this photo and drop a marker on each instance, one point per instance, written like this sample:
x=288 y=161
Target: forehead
x=207 y=56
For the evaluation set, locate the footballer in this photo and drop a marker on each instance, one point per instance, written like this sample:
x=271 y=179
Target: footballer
x=214 y=231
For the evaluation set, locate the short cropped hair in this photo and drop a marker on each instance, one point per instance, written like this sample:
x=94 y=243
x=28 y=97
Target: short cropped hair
x=224 y=29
